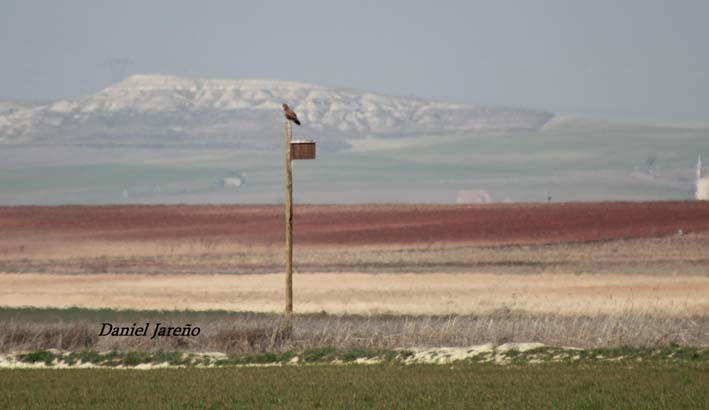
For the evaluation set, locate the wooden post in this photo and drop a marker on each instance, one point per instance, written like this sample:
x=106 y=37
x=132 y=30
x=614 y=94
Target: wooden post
x=289 y=226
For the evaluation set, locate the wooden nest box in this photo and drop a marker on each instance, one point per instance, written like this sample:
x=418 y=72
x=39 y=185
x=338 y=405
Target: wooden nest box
x=302 y=149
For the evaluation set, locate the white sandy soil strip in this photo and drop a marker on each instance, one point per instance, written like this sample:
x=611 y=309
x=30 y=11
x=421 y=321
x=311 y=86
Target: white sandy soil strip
x=438 y=355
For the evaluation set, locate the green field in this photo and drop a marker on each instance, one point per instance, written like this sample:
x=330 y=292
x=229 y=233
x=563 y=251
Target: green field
x=575 y=161
x=554 y=386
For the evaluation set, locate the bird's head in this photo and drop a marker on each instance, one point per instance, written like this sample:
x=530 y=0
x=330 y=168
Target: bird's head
x=285 y=106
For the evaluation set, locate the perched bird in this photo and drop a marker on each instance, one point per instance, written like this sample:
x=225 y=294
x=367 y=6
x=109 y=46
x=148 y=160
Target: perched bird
x=290 y=114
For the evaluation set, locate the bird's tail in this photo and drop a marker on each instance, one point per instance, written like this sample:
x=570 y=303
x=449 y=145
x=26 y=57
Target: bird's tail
x=296 y=121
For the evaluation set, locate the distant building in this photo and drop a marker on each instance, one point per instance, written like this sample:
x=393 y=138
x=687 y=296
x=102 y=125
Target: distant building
x=702 y=192
x=473 y=196
x=231 y=180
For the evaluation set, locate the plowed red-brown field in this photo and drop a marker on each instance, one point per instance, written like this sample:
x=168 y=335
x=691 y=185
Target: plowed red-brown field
x=414 y=259
x=363 y=224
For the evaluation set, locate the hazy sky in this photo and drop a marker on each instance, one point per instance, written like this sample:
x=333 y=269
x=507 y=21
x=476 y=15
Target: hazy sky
x=617 y=57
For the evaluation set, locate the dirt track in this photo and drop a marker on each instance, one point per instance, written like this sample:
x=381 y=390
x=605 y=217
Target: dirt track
x=362 y=224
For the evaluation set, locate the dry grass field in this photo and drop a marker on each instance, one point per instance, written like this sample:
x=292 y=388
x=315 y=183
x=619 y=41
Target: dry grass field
x=29 y=329
x=357 y=293
x=582 y=274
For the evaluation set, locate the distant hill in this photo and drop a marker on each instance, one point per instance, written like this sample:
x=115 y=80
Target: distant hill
x=167 y=110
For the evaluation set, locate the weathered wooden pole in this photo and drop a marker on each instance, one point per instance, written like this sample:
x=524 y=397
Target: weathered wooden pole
x=289 y=225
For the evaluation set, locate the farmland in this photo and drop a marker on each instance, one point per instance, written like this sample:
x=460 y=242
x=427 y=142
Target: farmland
x=625 y=282
x=558 y=259
x=518 y=272
x=556 y=386
x=575 y=238
x=358 y=225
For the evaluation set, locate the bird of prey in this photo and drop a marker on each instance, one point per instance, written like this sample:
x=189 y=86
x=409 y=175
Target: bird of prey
x=290 y=114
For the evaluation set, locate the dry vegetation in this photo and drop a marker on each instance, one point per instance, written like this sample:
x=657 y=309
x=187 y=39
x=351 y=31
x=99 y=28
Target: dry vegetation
x=583 y=275
x=685 y=254
x=358 y=293
x=238 y=333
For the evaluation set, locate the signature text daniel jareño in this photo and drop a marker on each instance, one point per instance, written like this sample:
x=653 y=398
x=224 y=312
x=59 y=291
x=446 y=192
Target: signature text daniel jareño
x=108 y=329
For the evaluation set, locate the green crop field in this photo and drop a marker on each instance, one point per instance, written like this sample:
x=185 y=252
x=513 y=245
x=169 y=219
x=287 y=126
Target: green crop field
x=550 y=386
